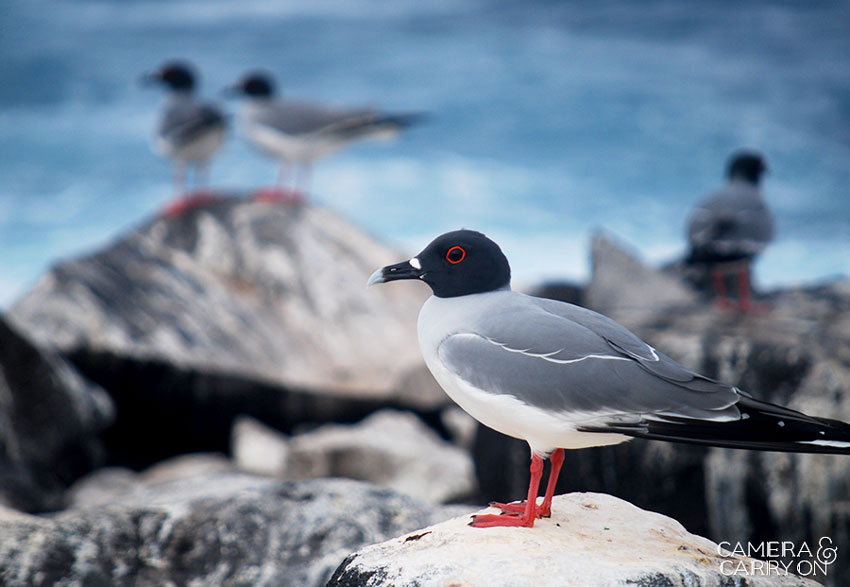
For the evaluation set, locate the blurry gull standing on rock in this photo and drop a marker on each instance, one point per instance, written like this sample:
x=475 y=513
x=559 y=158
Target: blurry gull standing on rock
x=297 y=133
x=730 y=227
x=560 y=376
x=190 y=131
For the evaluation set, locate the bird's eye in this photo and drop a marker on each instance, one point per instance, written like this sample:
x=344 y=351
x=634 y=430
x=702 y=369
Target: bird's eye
x=455 y=255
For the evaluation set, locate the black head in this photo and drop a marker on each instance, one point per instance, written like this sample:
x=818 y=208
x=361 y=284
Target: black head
x=455 y=264
x=747 y=165
x=255 y=85
x=177 y=75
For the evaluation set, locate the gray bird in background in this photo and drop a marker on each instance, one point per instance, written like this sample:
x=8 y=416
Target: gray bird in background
x=190 y=131
x=730 y=227
x=297 y=133
x=561 y=376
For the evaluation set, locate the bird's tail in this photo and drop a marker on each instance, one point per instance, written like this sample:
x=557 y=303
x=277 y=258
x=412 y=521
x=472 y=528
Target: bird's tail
x=763 y=426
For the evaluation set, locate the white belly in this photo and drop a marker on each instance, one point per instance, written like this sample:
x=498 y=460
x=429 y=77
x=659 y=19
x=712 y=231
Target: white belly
x=292 y=148
x=198 y=151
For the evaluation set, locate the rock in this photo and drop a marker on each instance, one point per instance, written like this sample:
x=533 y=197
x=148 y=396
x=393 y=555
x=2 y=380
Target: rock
x=621 y=282
x=211 y=530
x=235 y=307
x=112 y=484
x=389 y=448
x=591 y=539
x=795 y=350
x=259 y=449
x=50 y=419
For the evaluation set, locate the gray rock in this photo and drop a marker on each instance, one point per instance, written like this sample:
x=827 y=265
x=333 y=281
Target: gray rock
x=591 y=539
x=211 y=530
x=621 y=282
x=50 y=419
x=235 y=307
x=389 y=448
x=271 y=292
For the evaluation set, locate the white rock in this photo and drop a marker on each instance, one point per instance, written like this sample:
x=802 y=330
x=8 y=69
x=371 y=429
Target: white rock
x=258 y=448
x=592 y=539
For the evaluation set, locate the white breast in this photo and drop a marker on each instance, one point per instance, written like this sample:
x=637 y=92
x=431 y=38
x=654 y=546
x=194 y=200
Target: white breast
x=544 y=431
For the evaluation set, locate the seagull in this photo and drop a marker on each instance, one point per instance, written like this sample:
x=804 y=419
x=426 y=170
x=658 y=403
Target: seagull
x=297 y=133
x=560 y=376
x=190 y=131
x=731 y=226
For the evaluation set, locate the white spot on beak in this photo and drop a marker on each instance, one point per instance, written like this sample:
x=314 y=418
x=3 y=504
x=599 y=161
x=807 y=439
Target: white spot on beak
x=414 y=262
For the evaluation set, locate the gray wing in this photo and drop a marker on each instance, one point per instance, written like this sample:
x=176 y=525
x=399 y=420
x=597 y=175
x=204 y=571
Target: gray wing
x=185 y=122
x=732 y=221
x=563 y=358
x=297 y=118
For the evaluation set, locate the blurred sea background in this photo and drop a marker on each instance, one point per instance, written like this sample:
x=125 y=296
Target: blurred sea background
x=549 y=119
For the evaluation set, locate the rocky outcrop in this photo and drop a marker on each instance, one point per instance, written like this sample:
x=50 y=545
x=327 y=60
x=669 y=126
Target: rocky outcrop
x=234 y=307
x=209 y=530
x=389 y=448
x=50 y=421
x=591 y=540
x=792 y=350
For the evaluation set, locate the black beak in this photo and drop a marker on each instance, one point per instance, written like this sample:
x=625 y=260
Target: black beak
x=403 y=270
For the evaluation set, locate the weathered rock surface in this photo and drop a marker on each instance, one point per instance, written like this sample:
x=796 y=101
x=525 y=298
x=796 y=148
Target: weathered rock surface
x=622 y=283
x=211 y=530
x=235 y=307
x=272 y=292
x=591 y=539
x=50 y=419
x=389 y=448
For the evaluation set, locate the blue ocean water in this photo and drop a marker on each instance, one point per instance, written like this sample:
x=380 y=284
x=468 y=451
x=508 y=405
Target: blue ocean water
x=549 y=119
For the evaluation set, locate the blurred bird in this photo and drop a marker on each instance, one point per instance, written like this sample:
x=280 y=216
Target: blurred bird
x=730 y=227
x=561 y=376
x=190 y=131
x=297 y=133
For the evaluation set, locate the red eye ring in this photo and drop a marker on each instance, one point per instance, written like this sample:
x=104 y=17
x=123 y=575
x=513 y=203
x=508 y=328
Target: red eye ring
x=451 y=255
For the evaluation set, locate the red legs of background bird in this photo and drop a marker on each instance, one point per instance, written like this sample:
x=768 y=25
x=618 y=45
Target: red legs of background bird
x=745 y=303
x=720 y=287
x=185 y=200
x=280 y=193
x=744 y=287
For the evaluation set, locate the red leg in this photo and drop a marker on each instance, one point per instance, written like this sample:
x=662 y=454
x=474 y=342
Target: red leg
x=744 y=287
x=190 y=201
x=720 y=287
x=544 y=510
x=557 y=460
x=530 y=513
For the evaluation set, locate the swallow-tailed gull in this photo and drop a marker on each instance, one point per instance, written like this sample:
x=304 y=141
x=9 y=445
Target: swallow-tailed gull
x=190 y=131
x=731 y=226
x=297 y=133
x=561 y=376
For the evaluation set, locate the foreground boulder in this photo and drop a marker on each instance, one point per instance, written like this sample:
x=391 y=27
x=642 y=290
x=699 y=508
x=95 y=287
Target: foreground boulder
x=234 y=307
x=794 y=350
x=591 y=539
x=50 y=419
x=209 y=530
